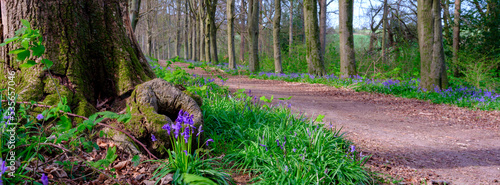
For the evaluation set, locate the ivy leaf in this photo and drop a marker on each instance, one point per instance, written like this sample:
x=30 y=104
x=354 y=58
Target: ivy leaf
x=28 y=64
x=47 y=63
x=26 y=23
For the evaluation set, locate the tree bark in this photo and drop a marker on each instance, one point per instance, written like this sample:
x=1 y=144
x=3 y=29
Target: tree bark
x=207 y=39
x=186 y=31
x=213 y=30
x=242 y=30
x=430 y=37
x=134 y=13
x=315 y=62
x=290 y=36
x=149 y=28
x=276 y=37
x=347 y=60
x=230 y=34
x=110 y=66
x=322 y=25
x=456 y=37
x=202 y=34
x=253 y=32
x=384 y=32
x=178 y=29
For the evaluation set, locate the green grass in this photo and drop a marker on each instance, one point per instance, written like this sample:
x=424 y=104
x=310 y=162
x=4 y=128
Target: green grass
x=247 y=131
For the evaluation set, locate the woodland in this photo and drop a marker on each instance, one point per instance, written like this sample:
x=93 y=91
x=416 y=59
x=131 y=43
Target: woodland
x=249 y=92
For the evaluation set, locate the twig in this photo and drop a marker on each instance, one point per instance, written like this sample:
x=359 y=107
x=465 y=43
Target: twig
x=69 y=151
x=102 y=124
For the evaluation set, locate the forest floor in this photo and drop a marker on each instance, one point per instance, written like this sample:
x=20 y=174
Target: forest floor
x=410 y=140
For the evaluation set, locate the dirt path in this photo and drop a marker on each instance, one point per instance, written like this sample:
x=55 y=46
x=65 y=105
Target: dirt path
x=409 y=139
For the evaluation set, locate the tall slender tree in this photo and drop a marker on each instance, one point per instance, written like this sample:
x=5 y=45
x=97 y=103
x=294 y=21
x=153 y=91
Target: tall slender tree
x=347 y=60
x=276 y=36
x=230 y=34
x=253 y=32
x=322 y=25
x=456 y=36
x=315 y=61
x=430 y=40
x=242 y=30
x=135 y=6
x=178 y=29
x=290 y=30
x=186 y=38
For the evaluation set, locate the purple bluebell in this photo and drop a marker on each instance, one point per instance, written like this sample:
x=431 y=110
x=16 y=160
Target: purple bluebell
x=153 y=138
x=353 y=148
x=44 y=179
x=294 y=149
x=200 y=130
x=264 y=146
x=186 y=152
x=167 y=128
x=186 y=134
x=209 y=140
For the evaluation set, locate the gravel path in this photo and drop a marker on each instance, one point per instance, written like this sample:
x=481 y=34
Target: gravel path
x=409 y=139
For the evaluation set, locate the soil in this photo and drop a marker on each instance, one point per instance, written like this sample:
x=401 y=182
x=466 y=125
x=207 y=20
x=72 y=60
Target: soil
x=411 y=141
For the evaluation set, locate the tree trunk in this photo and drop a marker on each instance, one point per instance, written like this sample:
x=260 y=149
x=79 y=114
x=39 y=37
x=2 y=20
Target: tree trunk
x=315 y=62
x=430 y=37
x=213 y=31
x=110 y=66
x=178 y=29
x=290 y=36
x=202 y=35
x=134 y=13
x=242 y=31
x=347 y=60
x=195 y=44
x=149 y=28
x=384 y=32
x=230 y=34
x=276 y=36
x=456 y=38
x=186 y=33
x=322 y=25
x=207 y=39
x=253 y=32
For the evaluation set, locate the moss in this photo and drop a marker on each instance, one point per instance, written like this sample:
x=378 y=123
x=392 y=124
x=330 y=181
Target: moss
x=196 y=98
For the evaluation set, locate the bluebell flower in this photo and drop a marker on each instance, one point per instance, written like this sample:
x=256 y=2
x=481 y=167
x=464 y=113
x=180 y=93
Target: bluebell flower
x=153 y=138
x=186 y=152
x=294 y=149
x=167 y=128
x=45 y=179
x=209 y=140
x=263 y=146
x=186 y=134
x=353 y=148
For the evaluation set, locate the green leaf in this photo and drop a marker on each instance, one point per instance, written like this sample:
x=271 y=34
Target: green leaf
x=26 y=23
x=23 y=55
x=17 y=51
x=64 y=124
x=196 y=179
x=111 y=156
x=38 y=50
x=319 y=118
x=124 y=118
x=9 y=40
x=285 y=98
x=109 y=114
x=28 y=64
x=26 y=43
x=47 y=63
x=136 y=160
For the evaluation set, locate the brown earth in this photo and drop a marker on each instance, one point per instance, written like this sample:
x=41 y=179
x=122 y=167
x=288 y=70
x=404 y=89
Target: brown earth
x=411 y=140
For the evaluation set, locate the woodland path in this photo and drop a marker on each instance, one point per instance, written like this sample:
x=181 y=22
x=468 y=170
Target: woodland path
x=410 y=139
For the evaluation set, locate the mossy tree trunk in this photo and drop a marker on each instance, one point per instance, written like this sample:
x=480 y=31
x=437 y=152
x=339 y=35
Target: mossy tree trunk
x=430 y=41
x=347 y=60
x=456 y=37
x=253 y=32
x=315 y=61
x=91 y=43
x=211 y=10
x=135 y=6
x=322 y=25
x=276 y=37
